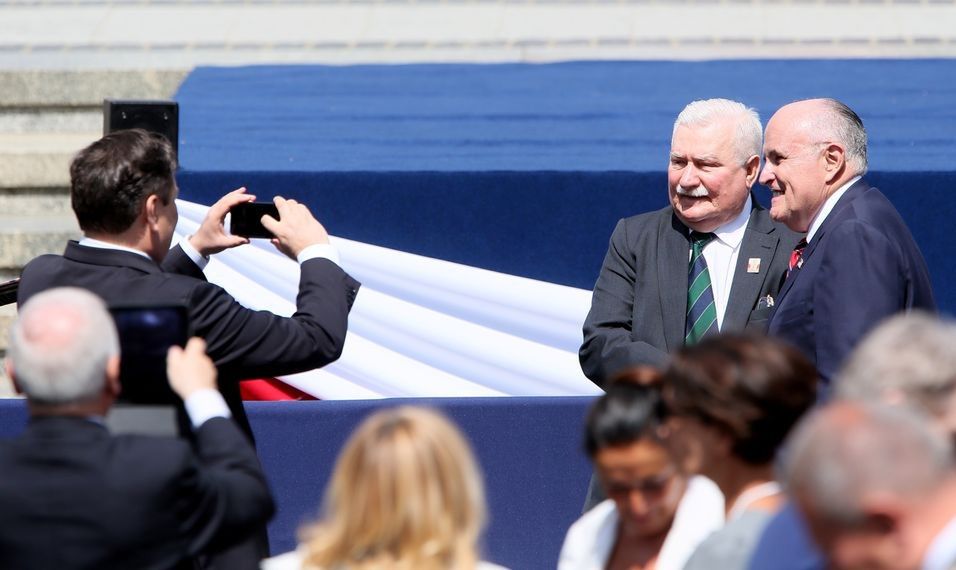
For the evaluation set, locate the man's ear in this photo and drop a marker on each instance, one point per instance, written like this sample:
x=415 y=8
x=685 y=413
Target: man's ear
x=752 y=167
x=151 y=211
x=834 y=161
x=113 y=376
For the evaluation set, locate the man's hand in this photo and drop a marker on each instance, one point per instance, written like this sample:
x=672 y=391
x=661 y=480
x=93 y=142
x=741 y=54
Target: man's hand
x=296 y=228
x=189 y=369
x=211 y=237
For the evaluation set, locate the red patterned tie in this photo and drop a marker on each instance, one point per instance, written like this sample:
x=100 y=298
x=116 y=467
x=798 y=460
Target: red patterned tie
x=796 y=256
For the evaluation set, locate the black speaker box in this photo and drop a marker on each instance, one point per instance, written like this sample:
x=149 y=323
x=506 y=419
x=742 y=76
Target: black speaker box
x=155 y=116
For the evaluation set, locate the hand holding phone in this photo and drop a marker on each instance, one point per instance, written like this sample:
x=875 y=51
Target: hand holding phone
x=246 y=219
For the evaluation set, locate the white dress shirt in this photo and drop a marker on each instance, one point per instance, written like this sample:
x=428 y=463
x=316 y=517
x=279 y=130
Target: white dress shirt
x=721 y=256
x=827 y=207
x=590 y=540
x=941 y=554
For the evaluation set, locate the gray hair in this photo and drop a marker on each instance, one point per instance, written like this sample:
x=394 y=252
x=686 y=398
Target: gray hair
x=910 y=356
x=841 y=124
x=60 y=345
x=749 y=137
x=843 y=453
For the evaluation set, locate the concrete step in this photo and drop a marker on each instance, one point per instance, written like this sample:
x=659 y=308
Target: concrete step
x=17 y=202
x=69 y=89
x=39 y=160
x=24 y=237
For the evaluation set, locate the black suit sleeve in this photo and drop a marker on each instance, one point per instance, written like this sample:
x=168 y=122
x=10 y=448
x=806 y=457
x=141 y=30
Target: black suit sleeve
x=249 y=343
x=176 y=261
x=608 y=345
x=222 y=498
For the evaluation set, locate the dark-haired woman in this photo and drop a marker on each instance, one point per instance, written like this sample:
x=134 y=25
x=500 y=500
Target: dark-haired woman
x=655 y=515
x=732 y=400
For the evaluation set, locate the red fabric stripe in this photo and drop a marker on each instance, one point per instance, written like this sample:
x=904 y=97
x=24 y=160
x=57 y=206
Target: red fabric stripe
x=270 y=389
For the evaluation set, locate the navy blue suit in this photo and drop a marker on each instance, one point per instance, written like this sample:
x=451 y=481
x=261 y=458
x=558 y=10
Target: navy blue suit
x=861 y=266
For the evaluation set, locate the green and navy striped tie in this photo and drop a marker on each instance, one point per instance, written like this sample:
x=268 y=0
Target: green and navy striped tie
x=701 y=311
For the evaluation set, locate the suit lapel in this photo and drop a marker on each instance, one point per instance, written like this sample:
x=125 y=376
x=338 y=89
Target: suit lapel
x=852 y=193
x=759 y=243
x=672 y=269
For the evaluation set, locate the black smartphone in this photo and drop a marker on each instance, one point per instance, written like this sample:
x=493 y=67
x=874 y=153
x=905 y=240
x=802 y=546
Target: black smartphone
x=245 y=219
x=145 y=333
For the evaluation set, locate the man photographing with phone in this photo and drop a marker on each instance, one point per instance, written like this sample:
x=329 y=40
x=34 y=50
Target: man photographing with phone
x=123 y=192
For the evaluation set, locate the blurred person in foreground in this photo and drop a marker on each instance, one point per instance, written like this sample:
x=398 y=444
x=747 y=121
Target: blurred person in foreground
x=655 y=515
x=732 y=400
x=123 y=192
x=73 y=495
x=877 y=486
x=908 y=359
x=406 y=494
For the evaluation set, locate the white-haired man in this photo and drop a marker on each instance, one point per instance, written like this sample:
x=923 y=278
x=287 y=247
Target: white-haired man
x=712 y=260
x=877 y=486
x=73 y=495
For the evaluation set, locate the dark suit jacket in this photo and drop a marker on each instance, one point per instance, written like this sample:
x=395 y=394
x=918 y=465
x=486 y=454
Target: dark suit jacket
x=74 y=496
x=639 y=306
x=861 y=266
x=243 y=343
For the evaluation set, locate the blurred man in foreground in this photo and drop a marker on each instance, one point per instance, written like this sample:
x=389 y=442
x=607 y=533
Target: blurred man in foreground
x=877 y=486
x=73 y=495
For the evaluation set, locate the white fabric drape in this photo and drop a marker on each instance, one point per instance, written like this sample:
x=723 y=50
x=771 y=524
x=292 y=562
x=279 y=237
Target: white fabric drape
x=421 y=327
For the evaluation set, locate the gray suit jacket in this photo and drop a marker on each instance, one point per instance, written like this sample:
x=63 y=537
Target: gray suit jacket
x=639 y=305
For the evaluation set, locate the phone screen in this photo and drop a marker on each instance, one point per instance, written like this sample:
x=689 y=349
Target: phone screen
x=145 y=335
x=245 y=219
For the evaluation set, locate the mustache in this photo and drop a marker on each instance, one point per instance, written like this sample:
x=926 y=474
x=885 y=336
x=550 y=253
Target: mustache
x=699 y=192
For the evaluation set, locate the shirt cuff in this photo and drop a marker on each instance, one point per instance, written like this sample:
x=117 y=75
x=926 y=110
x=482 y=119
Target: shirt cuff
x=204 y=405
x=192 y=254
x=319 y=251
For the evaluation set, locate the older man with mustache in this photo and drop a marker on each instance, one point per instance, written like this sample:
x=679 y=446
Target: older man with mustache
x=711 y=261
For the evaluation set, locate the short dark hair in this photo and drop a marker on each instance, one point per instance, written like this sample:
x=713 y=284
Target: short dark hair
x=111 y=179
x=626 y=413
x=753 y=388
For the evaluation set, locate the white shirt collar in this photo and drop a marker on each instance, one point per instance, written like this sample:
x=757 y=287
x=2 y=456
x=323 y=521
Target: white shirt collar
x=732 y=233
x=942 y=551
x=827 y=207
x=90 y=242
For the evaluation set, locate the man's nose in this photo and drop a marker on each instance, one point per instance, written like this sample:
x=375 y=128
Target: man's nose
x=690 y=177
x=766 y=174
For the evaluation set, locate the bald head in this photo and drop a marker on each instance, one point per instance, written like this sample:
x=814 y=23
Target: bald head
x=811 y=148
x=60 y=346
x=847 y=453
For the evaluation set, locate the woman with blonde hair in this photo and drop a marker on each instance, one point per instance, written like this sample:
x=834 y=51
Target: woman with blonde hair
x=405 y=494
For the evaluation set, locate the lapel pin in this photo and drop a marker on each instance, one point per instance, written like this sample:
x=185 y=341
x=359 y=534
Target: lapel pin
x=753 y=265
x=769 y=301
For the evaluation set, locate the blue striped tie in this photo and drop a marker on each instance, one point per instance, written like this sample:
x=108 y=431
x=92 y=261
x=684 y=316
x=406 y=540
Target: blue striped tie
x=701 y=311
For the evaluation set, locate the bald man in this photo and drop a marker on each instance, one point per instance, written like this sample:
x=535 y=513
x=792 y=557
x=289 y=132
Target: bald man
x=859 y=262
x=877 y=486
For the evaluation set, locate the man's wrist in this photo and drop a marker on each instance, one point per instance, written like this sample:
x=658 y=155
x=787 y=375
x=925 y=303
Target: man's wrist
x=193 y=254
x=317 y=251
x=204 y=405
